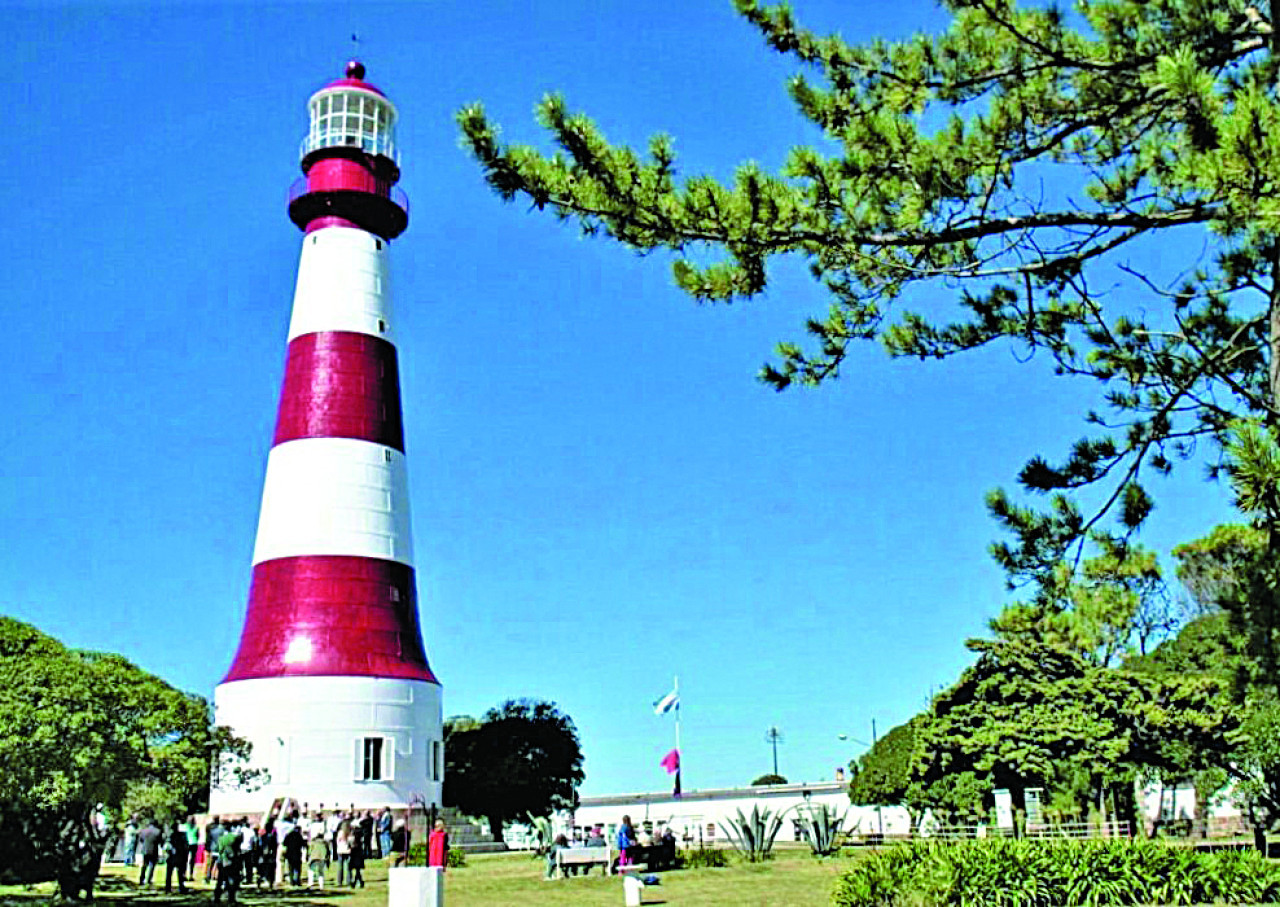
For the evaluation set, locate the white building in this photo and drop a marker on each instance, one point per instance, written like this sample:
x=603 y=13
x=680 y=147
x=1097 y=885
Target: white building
x=695 y=816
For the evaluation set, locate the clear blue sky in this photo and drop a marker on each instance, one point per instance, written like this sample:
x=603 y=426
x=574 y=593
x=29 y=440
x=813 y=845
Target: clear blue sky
x=603 y=496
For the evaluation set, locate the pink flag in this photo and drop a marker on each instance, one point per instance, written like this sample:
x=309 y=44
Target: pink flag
x=671 y=761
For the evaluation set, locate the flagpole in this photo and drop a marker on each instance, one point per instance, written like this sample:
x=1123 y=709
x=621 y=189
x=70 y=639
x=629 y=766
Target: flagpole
x=676 y=686
x=679 y=754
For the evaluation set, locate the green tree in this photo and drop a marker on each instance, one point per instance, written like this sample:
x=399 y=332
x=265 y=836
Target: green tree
x=1235 y=569
x=1003 y=181
x=1209 y=568
x=78 y=732
x=1114 y=606
x=522 y=759
x=882 y=775
x=1034 y=713
x=768 y=779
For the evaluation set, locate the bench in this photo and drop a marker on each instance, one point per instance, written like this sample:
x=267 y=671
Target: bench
x=584 y=857
x=656 y=857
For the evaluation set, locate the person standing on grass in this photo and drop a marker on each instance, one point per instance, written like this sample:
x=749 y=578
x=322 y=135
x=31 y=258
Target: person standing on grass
x=626 y=842
x=248 y=851
x=559 y=844
x=212 y=835
x=228 y=859
x=400 y=844
x=149 y=848
x=293 y=846
x=384 y=832
x=366 y=833
x=438 y=845
x=267 y=847
x=342 y=850
x=355 y=865
x=192 y=831
x=317 y=857
x=176 y=860
x=287 y=823
x=130 y=842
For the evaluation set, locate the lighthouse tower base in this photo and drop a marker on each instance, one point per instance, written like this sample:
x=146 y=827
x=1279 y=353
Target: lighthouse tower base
x=362 y=742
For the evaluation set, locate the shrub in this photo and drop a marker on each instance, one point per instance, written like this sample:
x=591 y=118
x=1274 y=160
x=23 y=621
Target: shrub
x=1002 y=873
x=455 y=858
x=821 y=828
x=702 y=858
x=753 y=835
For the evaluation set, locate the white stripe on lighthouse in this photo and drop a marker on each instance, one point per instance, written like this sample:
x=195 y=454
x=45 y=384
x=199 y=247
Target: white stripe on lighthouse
x=335 y=496
x=342 y=284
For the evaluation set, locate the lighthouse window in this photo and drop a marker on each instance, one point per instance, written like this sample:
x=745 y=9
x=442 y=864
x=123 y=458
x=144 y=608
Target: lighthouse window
x=435 y=760
x=372 y=768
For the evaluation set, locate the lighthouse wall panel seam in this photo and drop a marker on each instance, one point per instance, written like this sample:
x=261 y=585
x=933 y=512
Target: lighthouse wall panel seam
x=311 y=483
x=343 y=285
x=305 y=730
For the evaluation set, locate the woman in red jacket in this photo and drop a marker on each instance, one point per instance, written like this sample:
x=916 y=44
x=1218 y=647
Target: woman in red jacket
x=438 y=845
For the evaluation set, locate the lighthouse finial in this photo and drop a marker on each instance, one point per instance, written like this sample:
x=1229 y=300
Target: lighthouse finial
x=355 y=70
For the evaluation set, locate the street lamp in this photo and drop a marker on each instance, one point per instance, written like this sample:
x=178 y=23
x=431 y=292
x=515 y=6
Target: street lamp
x=871 y=745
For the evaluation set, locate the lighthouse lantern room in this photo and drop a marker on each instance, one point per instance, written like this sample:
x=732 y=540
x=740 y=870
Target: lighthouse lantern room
x=330 y=682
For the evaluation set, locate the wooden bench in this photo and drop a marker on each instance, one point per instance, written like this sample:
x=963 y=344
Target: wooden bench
x=584 y=857
x=656 y=857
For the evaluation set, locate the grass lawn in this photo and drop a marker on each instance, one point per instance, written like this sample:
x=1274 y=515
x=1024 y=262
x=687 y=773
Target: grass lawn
x=792 y=879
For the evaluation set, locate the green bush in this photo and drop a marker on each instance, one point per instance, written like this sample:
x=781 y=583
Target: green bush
x=455 y=858
x=753 y=835
x=703 y=858
x=1003 y=873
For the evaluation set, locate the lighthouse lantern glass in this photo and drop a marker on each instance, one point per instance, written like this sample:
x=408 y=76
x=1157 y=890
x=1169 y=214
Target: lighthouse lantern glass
x=353 y=118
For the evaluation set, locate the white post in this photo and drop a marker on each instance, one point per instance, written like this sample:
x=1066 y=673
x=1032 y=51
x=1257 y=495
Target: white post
x=415 y=886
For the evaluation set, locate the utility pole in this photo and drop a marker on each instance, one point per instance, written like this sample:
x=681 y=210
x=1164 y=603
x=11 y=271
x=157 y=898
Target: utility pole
x=773 y=736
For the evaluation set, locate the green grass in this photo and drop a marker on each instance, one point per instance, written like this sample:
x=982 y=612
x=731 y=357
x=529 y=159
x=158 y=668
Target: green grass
x=792 y=879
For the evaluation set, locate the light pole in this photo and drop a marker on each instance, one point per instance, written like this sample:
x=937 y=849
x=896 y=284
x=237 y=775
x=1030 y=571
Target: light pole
x=871 y=746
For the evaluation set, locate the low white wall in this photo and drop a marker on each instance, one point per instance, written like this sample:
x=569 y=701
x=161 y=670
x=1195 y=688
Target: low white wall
x=695 y=816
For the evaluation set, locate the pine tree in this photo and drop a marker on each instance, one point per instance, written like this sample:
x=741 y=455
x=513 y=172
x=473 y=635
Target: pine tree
x=997 y=182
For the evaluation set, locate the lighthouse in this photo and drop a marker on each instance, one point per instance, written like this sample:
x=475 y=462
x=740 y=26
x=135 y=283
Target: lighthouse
x=330 y=682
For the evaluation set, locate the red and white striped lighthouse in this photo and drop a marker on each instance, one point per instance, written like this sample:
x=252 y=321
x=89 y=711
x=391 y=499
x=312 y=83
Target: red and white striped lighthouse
x=331 y=682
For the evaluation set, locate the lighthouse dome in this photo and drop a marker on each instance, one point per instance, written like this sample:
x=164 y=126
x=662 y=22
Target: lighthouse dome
x=351 y=113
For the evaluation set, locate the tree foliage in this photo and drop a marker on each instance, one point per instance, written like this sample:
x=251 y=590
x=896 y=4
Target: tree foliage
x=1006 y=180
x=522 y=759
x=768 y=779
x=1036 y=714
x=882 y=775
x=78 y=732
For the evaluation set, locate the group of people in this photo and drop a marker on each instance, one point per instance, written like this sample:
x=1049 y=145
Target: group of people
x=659 y=846
x=174 y=844
x=278 y=849
x=236 y=852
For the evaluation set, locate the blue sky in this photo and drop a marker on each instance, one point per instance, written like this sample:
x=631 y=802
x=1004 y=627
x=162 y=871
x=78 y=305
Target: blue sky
x=603 y=496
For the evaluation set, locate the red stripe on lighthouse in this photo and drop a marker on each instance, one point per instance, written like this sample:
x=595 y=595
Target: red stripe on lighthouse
x=331 y=615
x=340 y=384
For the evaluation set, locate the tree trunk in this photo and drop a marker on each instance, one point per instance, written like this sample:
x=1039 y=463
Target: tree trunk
x=1200 y=824
x=1018 y=800
x=495 y=827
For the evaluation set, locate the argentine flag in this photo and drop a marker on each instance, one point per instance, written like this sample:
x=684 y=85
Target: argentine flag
x=667 y=703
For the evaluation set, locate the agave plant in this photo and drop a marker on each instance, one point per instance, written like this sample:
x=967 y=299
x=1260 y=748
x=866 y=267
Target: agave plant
x=821 y=828
x=753 y=835
x=541 y=828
